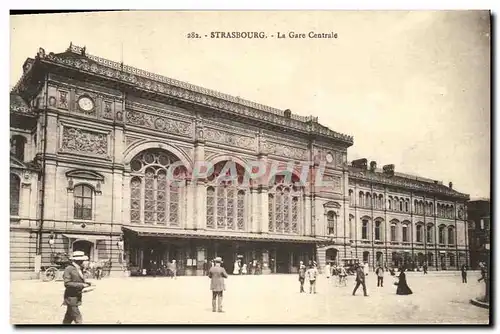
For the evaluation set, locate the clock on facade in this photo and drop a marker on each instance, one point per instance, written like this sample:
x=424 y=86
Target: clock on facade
x=329 y=158
x=86 y=103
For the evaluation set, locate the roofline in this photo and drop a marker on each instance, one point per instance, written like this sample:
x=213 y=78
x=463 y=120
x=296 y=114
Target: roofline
x=211 y=98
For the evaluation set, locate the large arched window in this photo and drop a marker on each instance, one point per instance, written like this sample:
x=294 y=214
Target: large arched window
x=368 y=201
x=389 y=203
x=451 y=235
x=15 y=188
x=381 y=202
x=351 y=197
x=284 y=205
x=83 y=198
x=154 y=195
x=331 y=218
x=441 y=234
x=226 y=197
x=361 y=199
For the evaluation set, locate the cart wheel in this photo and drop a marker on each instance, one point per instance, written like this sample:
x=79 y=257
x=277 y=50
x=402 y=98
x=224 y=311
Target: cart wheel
x=50 y=274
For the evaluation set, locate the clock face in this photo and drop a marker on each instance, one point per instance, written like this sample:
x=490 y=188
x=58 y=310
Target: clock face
x=86 y=103
x=329 y=158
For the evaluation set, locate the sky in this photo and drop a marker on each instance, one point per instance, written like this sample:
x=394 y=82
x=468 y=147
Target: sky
x=412 y=88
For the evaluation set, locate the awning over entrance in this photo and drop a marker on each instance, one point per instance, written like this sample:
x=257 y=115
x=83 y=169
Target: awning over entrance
x=87 y=237
x=227 y=235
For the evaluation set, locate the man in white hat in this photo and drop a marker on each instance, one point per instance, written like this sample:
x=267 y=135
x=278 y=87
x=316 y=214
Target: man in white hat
x=74 y=282
x=217 y=275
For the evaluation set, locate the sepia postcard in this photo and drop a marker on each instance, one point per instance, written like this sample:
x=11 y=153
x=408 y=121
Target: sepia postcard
x=250 y=167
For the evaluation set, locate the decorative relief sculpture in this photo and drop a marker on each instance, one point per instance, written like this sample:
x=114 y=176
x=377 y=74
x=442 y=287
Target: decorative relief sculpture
x=52 y=101
x=284 y=151
x=129 y=140
x=84 y=141
x=190 y=92
x=63 y=100
x=230 y=138
x=108 y=113
x=336 y=180
x=159 y=123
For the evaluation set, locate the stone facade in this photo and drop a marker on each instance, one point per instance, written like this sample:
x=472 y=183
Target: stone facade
x=92 y=141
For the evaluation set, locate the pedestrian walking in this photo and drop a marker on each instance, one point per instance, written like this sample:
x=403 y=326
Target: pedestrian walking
x=425 y=268
x=366 y=269
x=312 y=274
x=74 y=283
x=403 y=288
x=360 y=280
x=172 y=269
x=217 y=274
x=380 y=276
x=328 y=270
x=464 y=273
x=482 y=267
x=302 y=276
x=205 y=267
x=244 y=269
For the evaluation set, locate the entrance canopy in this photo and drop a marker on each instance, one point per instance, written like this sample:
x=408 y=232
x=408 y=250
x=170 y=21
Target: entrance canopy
x=150 y=231
x=86 y=237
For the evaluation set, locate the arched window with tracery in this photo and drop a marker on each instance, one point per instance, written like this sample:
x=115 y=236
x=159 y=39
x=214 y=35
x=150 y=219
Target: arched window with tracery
x=226 y=197
x=154 y=190
x=284 y=204
x=15 y=188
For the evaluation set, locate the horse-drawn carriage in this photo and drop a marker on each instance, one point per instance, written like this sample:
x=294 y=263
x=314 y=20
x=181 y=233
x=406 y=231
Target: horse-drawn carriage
x=52 y=272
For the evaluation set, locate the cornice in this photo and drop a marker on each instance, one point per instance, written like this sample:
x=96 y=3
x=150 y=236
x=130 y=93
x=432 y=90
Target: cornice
x=84 y=62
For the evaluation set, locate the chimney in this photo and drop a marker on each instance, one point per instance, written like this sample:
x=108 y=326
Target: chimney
x=360 y=163
x=450 y=185
x=288 y=113
x=389 y=170
x=373 y=166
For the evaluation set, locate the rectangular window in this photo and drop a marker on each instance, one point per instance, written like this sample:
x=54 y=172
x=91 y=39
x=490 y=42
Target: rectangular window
x=393 y=233
x=364 y=230
x=405 y=233
x=419 y=233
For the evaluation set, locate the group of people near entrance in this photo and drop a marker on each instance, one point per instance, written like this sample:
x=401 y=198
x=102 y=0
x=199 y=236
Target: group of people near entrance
x=311 y=272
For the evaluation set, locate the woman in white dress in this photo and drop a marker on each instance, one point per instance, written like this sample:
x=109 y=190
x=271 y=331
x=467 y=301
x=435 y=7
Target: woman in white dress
x=328 y=270
x=236 y=270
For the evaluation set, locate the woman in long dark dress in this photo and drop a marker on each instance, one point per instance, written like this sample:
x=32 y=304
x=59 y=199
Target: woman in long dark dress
x=403 y=288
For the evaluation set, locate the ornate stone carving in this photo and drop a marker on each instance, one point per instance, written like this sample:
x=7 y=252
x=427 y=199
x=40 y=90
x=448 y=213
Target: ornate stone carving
x=335 y=180
x=230 y=138
x=52 y=101
x=84 y=141
x=108 y=112
x=285 y=151
x=129 y=140
x=63 y=100
x=159 y=123
x=210 y=98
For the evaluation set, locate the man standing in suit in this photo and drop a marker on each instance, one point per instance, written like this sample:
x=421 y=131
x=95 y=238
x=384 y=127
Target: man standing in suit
x=217 y=275
x=74 y=283
x=360 y=280
x=380 y=276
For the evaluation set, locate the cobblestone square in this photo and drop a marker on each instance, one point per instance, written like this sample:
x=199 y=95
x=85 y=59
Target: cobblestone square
x=273 y=299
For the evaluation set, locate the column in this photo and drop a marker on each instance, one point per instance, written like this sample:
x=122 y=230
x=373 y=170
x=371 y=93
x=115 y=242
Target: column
x=187 y=202
x=254 y=217
x=199 y=191
x=264 y=209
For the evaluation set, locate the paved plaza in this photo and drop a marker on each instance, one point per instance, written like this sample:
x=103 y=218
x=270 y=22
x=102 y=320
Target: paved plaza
x=273 y=299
